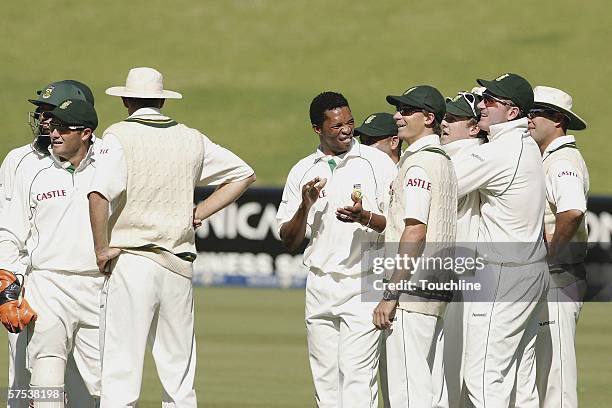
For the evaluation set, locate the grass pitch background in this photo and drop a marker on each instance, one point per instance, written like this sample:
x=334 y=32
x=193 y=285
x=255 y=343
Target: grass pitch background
x=252 y=352
x=248 y=70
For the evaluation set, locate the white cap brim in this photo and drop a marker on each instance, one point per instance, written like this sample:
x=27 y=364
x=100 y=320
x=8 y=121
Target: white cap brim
x=125 y=92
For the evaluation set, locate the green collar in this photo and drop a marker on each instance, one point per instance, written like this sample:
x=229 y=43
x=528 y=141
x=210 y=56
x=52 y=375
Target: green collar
x=156 y=123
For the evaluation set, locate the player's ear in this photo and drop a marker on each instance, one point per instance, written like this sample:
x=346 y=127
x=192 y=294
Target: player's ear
x=86 y=134
x=429 y=119
x=395 y=140
x=317 y=129
x=513 y=113
x=473 y=130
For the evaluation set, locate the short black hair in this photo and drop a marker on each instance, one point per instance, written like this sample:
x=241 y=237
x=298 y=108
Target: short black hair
x=324 y=101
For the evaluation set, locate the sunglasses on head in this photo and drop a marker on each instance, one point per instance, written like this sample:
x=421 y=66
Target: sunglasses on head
x=490 y=100
x=63 y=128
x=406 y=110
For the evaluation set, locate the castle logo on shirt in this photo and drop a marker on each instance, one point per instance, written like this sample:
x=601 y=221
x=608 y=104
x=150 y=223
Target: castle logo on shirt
x=568 y=173
x=50 y=194
x=418 y=182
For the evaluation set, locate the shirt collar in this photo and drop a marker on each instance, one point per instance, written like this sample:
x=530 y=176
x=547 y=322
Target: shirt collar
x=353 y=151
x=497 y=130
x=89 y=156
x=561 y=140
x=144 y=112
x=429 y=140
x=455 y=147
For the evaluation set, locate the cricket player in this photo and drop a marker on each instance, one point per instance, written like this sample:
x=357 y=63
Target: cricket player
x=380 y=131
x=460 y=131
x=421 y=221
x=148 y=169
x=567 y=187
x=63 y=283
x=499 y=363
x=28 y=159
x=337 y=196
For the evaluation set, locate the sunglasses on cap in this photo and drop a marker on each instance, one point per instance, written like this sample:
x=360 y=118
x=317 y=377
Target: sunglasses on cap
x=490 y=100
x=470 y=98
x=406 y=110
x=545 y=113
x=63 y=128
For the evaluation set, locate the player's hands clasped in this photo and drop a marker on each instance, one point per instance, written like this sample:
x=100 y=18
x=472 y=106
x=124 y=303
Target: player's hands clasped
x=312 y=190
x=384 y=313
x=104 y=257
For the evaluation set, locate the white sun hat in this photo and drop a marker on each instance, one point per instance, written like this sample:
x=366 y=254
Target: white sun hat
x=556 y=99
x=143 y=82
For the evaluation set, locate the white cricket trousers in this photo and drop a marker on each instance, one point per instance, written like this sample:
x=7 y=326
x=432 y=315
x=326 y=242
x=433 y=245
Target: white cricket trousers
x=555 y=347
x=144 y=302
x=67 y=305
x=415 y=373
x=343 y=344
x=499 y=363
x=455 y=323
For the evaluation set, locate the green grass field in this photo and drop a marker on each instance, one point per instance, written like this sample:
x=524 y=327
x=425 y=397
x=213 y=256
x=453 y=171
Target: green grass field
x=248 y=69
x=252 y=352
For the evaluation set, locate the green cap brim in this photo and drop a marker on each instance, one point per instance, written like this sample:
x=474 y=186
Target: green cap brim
x=493 y=87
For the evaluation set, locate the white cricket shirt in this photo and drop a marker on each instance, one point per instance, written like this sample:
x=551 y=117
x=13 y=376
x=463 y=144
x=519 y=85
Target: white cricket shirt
x=49 y=216
x=418 y=184
x=567 y=185
x=508 y=174
x=336 y=246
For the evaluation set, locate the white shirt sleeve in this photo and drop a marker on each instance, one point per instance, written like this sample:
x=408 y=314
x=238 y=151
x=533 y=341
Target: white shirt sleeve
x=417 y=193
x=475 y=168
x=290 y=201
x=110 y=178
x=565 y=187
x=15 y=227
x=221 y=165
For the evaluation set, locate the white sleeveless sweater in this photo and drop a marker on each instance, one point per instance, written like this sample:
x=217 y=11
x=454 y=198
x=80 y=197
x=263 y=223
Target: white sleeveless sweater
x=164 y=161
x=441 y=225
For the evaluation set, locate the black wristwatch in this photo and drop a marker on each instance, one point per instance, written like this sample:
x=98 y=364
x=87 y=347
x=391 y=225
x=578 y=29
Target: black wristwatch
x=390 y=295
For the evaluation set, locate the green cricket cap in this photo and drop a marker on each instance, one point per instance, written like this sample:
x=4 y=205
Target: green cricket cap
x=380 y=124
x=513 y=87
x=75 y=112
x=464 y=105
x=57 y=92
x=425 y=97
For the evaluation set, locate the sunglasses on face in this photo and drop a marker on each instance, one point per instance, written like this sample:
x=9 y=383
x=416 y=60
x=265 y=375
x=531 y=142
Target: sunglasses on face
x=369 y=141
x=490 y=100
x=450 y=118
x=63 y=128
x=545 y=113
x=406 y=110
